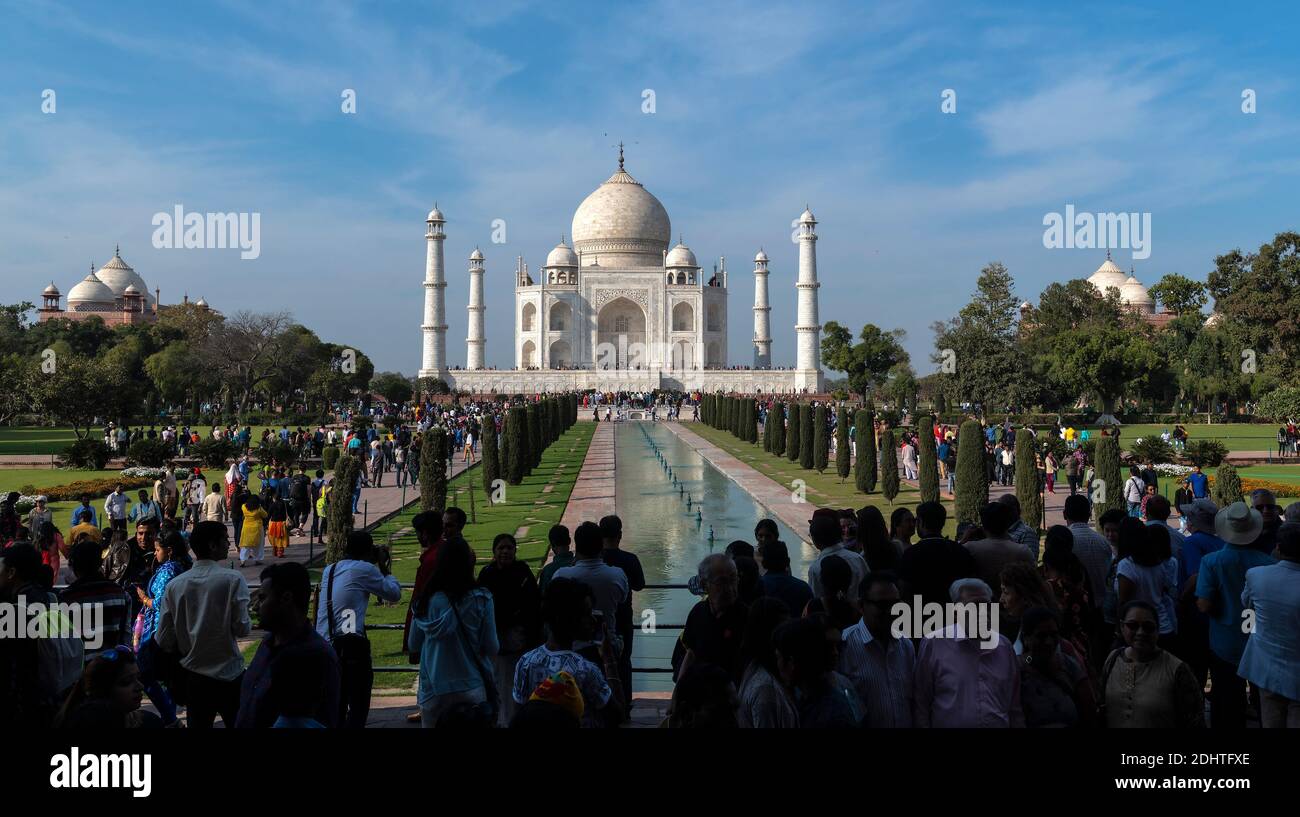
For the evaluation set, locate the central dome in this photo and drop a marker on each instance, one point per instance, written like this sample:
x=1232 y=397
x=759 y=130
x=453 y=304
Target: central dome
x=621 y=224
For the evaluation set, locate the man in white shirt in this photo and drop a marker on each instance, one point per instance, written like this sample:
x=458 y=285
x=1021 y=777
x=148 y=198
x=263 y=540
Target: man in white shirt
x=345 y=589
x=115 y=508
x=195 y=488
x=213 y=508
x=204 y=613
x=824 y=528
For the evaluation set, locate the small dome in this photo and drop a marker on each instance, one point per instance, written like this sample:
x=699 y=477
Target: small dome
x=91 y=290
x=435 y=215
x=1134 y=294
x=201 y=303
x=680 y=256
x=477 y=255
x=1026 y=305
x=1108 y=276
x=562 y=256
x=1214 y=320
x=51 y=290
x=762 y=256
x=130 y=290
x=807 y=217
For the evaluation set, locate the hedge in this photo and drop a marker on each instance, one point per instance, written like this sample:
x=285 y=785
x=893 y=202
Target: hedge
x=792 y=434
x=928 y=461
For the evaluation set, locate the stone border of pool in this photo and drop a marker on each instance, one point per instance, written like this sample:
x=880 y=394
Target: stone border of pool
x=595 y=492
x=774 y=497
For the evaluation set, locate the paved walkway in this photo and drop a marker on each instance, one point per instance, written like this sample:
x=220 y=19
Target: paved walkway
x=594 y=494
x=374 y=505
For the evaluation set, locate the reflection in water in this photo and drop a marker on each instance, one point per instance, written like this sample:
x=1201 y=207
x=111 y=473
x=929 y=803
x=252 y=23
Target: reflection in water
x=670 y=500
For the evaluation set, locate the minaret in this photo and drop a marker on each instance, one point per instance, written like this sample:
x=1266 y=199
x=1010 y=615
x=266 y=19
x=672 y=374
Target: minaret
x=762 y=315
x=476 y=339
x=808 y=327
x=435 y=286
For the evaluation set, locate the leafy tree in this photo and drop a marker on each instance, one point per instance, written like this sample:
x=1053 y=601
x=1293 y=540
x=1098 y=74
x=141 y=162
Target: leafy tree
x=1028 y=490
x=928 y=460
x=1227 y=485
x=843 y=456
x=807 y=436
x=1205 y=453
x=793 y=435
x=867 y=362
x=393 y=387
x=972 y=476
x=1258 y=295
x=888 y=465
x=1179 y=294
x=821 y=444
x=65 y=394
x=247 y=351
x=1281 y=404
x=982 y=340
x=865 y=470
x=1107 y=471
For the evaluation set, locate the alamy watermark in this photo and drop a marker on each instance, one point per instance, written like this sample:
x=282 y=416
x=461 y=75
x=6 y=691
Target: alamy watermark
x=208 y=231
x=59 y=620
x=917 y=619
x=1092 y=231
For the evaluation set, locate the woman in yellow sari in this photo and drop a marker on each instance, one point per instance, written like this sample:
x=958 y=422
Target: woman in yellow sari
x=251 y=544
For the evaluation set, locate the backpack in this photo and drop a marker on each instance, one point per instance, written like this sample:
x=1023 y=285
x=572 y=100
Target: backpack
x=322 y=503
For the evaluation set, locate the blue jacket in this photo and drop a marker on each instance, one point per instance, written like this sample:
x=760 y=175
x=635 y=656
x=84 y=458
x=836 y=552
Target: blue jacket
x=444 y=664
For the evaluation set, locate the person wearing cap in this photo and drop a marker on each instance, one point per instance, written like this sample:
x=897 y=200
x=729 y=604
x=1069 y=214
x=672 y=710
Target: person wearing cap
x=1263 y=501
x=39 y=515
x=1271 y=659
x=1219 y=585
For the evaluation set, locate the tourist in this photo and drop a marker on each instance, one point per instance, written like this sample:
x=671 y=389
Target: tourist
x=715 y=626
x=455 y=634
x=1156 y=510
x=251 y=544
x=774 y=561
x=1220 y=582
x=1134 y=489
x=1055 y=691
x=824 y=530
x=1021 y=532
x=1051 y=465
x=880 y=665
x=1202 y=538
x=806 y=658
x=300 y=501
x=929 y=567
x=910 y=465
x=195 y=489
x=345 y=590
x=1144 y=686
x=558 y=543
x=90 y=589
x=78 y=512
x=609 y=585
x=52 y=548
x=292 y=663
x=995 y=551
x=764 y=701
x=1272 y=650
x=85 y=526
x=1198 y=483
x=1023 y=588
x=765 y=531
x=277 y=525
x=108 y=695
x=204 y=614
x=213 y=508
x=567 y=612
x=877 y=545
x=27 y=701
x=516 y=605
x=170 y=560
x=611 y=534
x=1265 y=502
x=1092 y=549
x=834 y=603
x=704 y=698
x=902 y=527
x=961 y=684
x=1149 y=573
x=429 y=534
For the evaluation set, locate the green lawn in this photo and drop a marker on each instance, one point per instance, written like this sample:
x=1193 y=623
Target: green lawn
x=14 y=479
x=526 y=505
x=1236 y=436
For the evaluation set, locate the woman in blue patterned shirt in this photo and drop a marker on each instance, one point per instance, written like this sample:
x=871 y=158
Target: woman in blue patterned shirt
x=171 y=557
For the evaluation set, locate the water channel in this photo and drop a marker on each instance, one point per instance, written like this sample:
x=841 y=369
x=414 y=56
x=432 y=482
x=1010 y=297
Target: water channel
x=676 y=509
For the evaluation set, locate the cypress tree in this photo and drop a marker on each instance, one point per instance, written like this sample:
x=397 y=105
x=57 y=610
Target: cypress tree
x=807 y=437
x=1107 y=472
x=534 y=425
x=864 y=475
x=517 y=434
x=842 y=454
x=433 y=469
x=792 y=434
x=1028 y=490
x=928 y=461
x=821 y=441
x=767 y=432
x=491 y=462
x=751 y=423
x=972 y=477
x=776 y=419
x=338 y=518
x=737 y=417
x=1227 y=485
x=888 y=465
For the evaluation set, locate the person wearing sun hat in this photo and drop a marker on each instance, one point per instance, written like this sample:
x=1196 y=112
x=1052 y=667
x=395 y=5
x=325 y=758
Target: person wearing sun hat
x=1271 y=660
x=1219 y=585
x=1202 y=537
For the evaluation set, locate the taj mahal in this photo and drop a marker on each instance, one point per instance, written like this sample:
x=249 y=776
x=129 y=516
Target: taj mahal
x=621 y=309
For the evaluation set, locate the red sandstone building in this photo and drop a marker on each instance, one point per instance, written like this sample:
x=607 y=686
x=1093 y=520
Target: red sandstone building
x=115 y=293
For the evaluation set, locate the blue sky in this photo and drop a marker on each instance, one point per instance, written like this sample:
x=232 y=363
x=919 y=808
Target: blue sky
x=510 y=111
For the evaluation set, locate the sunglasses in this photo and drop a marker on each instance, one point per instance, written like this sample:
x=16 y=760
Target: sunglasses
x=1144 y=626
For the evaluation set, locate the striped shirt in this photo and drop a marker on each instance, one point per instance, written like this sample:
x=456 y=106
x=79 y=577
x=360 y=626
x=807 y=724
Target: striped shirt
x=114 y=629
x=882 y=673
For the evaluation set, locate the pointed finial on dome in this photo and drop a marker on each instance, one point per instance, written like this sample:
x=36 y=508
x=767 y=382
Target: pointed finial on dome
x=1107 y=255
x=117 y=250
x=620 y=155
